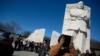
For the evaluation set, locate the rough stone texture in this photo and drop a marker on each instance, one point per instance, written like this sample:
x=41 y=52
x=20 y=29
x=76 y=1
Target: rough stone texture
x=54 y=38
x=37 y=35
x=77 y=24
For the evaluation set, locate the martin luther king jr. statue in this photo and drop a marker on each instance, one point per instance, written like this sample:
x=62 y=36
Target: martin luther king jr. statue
x=77 y=24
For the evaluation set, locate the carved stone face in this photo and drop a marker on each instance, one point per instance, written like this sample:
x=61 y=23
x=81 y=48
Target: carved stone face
x=80 y=5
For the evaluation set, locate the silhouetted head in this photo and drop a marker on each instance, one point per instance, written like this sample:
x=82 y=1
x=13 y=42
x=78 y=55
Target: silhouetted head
x=78 y=51
x=45 y=41
x=87 y=51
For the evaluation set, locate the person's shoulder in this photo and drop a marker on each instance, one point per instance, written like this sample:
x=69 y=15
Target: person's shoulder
x=57 y=45
x=3 y=43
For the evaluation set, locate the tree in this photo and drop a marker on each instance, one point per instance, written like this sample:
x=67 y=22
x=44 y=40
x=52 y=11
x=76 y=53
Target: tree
x=26 y=33
x=12 y=27
x=1 y=26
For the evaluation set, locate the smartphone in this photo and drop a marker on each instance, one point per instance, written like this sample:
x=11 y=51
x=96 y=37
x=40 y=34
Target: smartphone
x=67 y=40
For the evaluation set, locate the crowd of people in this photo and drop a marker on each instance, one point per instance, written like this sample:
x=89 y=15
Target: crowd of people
x=92 y=53
x=25 y=45
x=7 y=48
x=64 y=47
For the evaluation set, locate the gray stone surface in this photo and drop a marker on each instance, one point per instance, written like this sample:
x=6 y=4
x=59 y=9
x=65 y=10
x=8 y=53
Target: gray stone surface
x=24 y=53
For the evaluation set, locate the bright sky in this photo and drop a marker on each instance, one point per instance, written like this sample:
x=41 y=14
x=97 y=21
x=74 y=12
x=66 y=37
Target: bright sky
x=48 y=14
